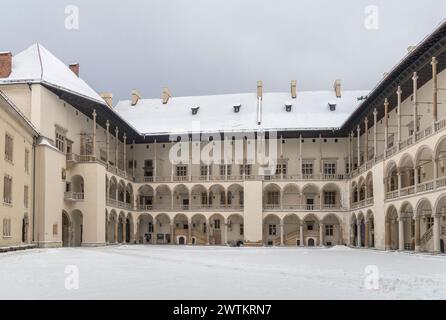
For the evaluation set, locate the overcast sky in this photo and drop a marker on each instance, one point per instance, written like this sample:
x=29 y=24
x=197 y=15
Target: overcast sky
x=205 y=47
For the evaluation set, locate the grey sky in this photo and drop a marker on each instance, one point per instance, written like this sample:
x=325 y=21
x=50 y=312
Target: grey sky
x=221 y=46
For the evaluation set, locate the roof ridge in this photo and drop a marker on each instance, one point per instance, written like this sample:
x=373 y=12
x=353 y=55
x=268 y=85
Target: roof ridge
x=40 y=60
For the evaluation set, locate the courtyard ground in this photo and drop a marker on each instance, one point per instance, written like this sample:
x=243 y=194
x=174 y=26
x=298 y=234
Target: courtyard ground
x=173 y=272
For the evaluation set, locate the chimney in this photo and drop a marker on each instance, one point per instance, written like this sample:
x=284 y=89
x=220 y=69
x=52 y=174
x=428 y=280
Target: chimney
x=75 y=68
x=166 y=95
x=411 y=48
x=108 y=98
x=260 y=89
x=337 y=88
x=5 y=64
x=135 y=97
x=293 y=89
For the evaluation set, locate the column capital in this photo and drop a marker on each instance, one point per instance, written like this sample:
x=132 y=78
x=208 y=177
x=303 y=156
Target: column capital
x=366 y=120
x=415 y=76
x=125 y=136
x=116 y=130
x=94 y=113
x=399 y=91
x=386 y=102
x=107 y=124
x=358 y=128
x=375 y=112
x=434 y=61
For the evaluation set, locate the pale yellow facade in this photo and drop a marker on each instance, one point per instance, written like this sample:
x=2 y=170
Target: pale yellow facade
x=381 y=185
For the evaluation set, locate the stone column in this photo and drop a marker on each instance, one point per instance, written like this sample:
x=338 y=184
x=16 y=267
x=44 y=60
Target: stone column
x=189 y=233
x=321 y=234
x=399 y=93
x=226 y=234
x=208 y=232
x=375 y=134
x=358 y=227
x=117 y=147
x=386 y=125
x=301 y=234
x=116 y=232
x=399 y=182
x=358 y=129
x=352 y=135
x=437 y=233
x=349 y=155
x=367 y=235
x=387 y=236
x=417 y=234
x=94 y=134
x=434 y=64
x=415 y=105
x=124 y=230
x=155 y=231
x=107 y=142
x=281 y=234
x=136 y=233
x=366 y=142
x=401 y=234
x=172 y=233
x=124 y=144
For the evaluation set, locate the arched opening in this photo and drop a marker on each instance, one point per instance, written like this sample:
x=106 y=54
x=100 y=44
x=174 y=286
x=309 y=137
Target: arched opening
x=181 y=199
x=163 y=198
x=291 y=197
x=354 y=195
x=271 y=196
x=235 y=230
x=121 y=227
x=113 y=189
x=441 y=214
x=129 y=199
x=311 y=197
x=426 y=225
x=145 y=232
x=407 y=173
x=370 y=230
x=182 y=240
x=408 y=227
x=332 y=234
x=440 y=159
x=369 y=186
x=77 y=227
x=235 y=197
x=392 y=232
x=425 y=169
x=391 y=177
x=163 y=230
x=181 y=226
x=331 y=196
x=121 y=191
x=291 y=230
x=129 y=229
x=217 y=197
x=271 y=230
x=199 y=196
x=361 y=187
x=353 y=231
x=216 y=226
x=311 y=242
x=66 y=229
x=199 y=229
x=312 y=228
x=145 y=198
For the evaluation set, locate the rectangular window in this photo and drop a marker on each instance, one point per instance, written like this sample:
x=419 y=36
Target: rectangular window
x=242 y=230
x=241 y=198
x=60 y=141
x=330 y=198
x=132 y=164
x=9 y=148
x=181 y=171
x=329 y=230
x=25 y=196
x=307 y=167
x=204 y=198
x=6 y=227
x=217 y=224
x=273 y=197
x=204 y=170
x=329 y=168
x=222 y=198
x=281 y=168
x=225 y=169
x=245 y=169
x=7 y=189
x=26 y=160
x=272 y=230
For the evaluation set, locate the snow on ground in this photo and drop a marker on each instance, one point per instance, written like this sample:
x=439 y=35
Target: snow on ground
x=174 y=272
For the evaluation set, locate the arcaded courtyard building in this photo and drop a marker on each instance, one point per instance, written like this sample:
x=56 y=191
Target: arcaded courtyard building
x=335 y=167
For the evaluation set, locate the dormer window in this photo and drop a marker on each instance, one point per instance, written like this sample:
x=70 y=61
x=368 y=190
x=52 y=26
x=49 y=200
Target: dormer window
x=237 y=108
x=288 y=107
x=194 y=110
x=332 y=106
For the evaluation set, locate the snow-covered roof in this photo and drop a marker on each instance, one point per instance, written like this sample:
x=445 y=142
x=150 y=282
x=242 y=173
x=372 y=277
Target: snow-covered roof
x=38 y=65
x=310 y=111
